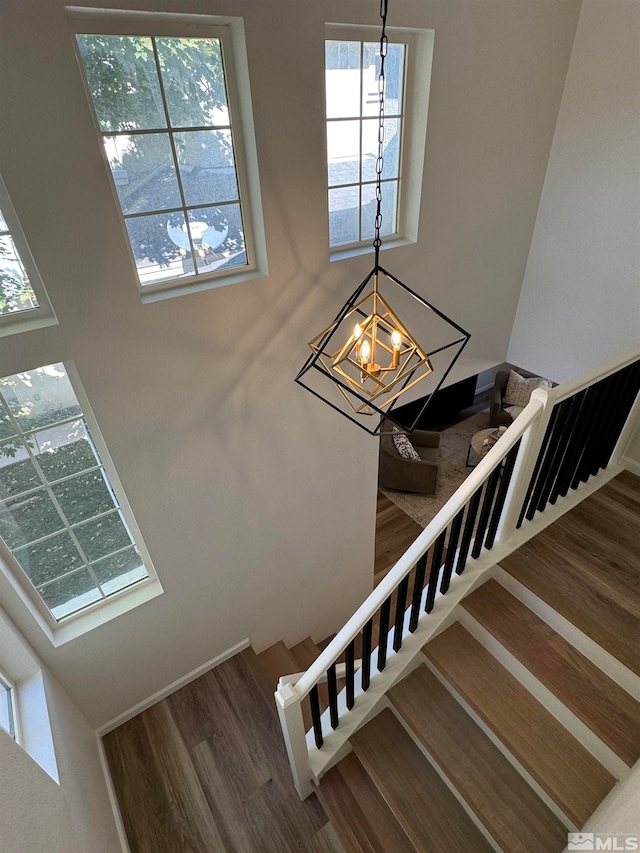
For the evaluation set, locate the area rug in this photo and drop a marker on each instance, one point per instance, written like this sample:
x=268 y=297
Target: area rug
x=454 y=443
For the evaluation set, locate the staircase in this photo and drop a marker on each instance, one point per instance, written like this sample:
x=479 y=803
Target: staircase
x=508 y=733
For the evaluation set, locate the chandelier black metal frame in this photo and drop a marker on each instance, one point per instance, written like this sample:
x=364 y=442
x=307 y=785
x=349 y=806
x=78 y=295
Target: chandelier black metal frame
x=367 y=352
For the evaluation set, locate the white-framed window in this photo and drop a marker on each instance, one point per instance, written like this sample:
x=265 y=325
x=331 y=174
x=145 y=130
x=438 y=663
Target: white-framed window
x=172 y=109
x=68 y=530
x=352 y=66
x=7 y=705
x=24 y=304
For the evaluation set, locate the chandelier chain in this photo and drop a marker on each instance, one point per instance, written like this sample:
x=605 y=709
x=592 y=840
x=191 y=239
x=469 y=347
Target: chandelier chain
x=377 y=242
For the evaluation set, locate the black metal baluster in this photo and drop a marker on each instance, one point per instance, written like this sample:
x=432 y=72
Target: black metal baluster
x=485 y=511
x=401 y=606
x=383 y=636
x=350 y=672
x=452 y=547
x=564 y=443
x=365 y=670
x=472 y=512
x=589 y=462
x=314 y=701
x=418 y=586
x=545 y=450
x=559 y=439
x=505 y=479
x=332 y=686
x=436 y=564
x=590 y=412
x=621 y=413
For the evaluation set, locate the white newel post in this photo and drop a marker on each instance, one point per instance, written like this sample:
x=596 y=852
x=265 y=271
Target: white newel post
x=525 y=463
x=290 y=713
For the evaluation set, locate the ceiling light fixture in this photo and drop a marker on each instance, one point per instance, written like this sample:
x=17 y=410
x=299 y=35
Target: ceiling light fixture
x=368 y=353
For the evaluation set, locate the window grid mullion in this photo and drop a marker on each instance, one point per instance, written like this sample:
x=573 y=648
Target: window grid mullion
x=80 y=568
x=173 y=148
x=360 y=126
x=28 y=492
x=65 y=520
x=53 y=499
x=181 y=209
x=148 y=130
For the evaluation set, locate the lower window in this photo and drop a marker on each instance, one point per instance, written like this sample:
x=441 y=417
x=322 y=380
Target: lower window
x=60 y=515
x=7 y=716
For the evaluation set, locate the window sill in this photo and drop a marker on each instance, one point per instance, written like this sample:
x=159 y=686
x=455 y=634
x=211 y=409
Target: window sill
x=180 y=287
x=353 y=250
x=13 y=324
x=104 y=611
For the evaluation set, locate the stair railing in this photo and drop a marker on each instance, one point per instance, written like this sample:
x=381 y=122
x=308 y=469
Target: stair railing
x=564 y=436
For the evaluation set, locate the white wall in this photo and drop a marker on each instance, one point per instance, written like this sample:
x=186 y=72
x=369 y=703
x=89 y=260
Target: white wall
x=580 y=302
x=37 y=813
x=255 y=500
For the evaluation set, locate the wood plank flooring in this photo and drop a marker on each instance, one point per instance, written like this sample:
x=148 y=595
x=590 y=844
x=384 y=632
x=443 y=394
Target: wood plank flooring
x=430 y=815
x=587 y=567
x=395 y=531
x=582 y=687
x=557 y=761
x=510 y=810
x=205 y=771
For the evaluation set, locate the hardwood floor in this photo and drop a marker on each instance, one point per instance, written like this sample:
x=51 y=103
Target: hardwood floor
x=395 y=531
x=587 y=567
x=201 y=772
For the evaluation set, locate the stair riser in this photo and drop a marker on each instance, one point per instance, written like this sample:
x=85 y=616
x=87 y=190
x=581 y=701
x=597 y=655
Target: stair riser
x=551 y=804
x=569 y=720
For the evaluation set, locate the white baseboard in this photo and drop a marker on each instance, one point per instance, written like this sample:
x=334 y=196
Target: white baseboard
x=631 y=465
x=122 y=835
x=171 y=688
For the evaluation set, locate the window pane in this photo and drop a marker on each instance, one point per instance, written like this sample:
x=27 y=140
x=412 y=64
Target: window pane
x=160 y=246
x=46 y=491
x=218 y=237
x=122 y=77
x=6 y=711
x=391 y=150
x=70 y=594
x=393 y=78
x=6 y=424
x=207 y=166
x=193 y=79
x=144 y=172
x=84 y=496
x=342 y=79
x=16 y=293
x=40 y=397
x=3 y=224
x=102 y=536
x=47 y=560
x=389 y=209
x=17 y=473
x=344 y=215
x=23 y=520
x=119 y=570
x=64 y=450
x=343 y=152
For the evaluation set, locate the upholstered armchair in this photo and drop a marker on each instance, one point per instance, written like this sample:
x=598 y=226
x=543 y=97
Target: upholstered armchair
x=499 y=416
x=409 y=475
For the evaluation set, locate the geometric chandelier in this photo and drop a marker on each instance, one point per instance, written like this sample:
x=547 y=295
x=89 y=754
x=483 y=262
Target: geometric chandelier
x=368 y=353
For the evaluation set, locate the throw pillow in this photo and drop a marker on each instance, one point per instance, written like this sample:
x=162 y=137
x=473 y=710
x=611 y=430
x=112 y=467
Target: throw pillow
x=519 y=389
x=514 y=411
x=404 y=446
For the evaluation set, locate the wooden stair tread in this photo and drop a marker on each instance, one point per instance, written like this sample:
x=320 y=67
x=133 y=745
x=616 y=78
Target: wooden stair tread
x=596 y=699
x=571 y=776
x=509 y=808
x=363 y=820
x=586 y=565
x=427 y=810
x=276 y=661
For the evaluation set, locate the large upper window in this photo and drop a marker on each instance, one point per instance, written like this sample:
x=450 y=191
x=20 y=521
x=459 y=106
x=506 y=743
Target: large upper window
x=23 y=302
x=60 y=515
x=167 y=114
x=352 y=66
